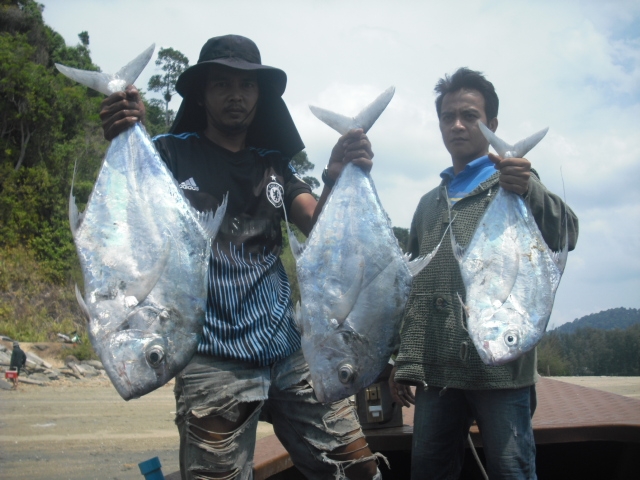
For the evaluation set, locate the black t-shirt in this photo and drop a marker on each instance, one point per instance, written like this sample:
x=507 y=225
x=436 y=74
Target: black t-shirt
x=249 y=312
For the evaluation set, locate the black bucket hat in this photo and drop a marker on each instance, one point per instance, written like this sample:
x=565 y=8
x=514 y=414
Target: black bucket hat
x=272 y=127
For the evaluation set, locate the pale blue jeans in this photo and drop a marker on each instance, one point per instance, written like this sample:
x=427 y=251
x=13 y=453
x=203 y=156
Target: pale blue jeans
x=441 y=425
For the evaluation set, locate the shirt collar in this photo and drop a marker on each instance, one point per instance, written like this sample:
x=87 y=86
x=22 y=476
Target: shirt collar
x=470 y=169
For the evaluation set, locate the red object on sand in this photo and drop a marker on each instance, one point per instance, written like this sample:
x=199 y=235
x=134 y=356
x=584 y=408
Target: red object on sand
x=11 y=374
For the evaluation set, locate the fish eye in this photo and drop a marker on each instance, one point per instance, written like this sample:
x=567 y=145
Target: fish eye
x=155 y=356
x=346 y=373
x=511 y=338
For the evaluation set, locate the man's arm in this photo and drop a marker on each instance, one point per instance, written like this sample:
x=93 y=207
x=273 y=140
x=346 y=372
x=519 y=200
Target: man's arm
x=353 y=147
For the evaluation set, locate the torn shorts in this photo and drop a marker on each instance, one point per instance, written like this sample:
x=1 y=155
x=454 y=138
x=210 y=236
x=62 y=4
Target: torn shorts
x=307 y=428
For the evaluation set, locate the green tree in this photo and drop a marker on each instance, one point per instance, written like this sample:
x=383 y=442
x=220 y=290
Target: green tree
x=172 y=63
x=300 y=161
x=402 y=234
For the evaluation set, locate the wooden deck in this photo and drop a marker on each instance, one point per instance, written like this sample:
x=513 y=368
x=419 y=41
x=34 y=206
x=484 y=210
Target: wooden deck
x=565 y=414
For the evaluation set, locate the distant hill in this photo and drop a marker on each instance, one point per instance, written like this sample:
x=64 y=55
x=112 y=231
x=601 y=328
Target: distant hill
x=612 y=319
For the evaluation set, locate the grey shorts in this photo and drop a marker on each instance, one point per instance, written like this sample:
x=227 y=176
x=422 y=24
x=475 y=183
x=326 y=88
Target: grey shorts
x=307 y=428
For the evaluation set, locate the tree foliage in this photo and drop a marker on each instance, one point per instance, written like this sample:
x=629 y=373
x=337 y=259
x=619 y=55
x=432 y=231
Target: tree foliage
x=593 y=351
x=172 y=63
x=300 y=161
x=614 y=318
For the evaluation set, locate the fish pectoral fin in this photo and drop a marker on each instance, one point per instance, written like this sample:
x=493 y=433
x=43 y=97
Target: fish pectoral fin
x=141 y=288
x=83 y=306
x=364 y=120
x=343 y=305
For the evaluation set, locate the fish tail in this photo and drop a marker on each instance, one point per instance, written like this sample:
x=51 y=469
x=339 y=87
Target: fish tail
x=364 y=120
x=107 y=83
x=506 y=150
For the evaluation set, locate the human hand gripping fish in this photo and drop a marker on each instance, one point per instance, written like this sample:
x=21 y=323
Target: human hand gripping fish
x=144 y=251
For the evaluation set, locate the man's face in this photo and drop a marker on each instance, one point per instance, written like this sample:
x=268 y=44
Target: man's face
x=230 y=98
x=459 y=116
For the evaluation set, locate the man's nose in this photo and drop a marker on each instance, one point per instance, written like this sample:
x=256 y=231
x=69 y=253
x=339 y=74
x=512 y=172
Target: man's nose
x=457 y=124
x=235 y=91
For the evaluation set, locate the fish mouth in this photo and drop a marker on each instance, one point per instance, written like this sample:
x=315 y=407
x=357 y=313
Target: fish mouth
x=136 y=362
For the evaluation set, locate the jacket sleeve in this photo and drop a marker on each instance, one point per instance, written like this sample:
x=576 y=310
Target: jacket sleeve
x=549 y=212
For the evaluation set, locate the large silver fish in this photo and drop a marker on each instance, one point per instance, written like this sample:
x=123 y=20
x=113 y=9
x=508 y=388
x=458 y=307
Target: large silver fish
x=354 y=280
x=510 y=274
x=144 y=253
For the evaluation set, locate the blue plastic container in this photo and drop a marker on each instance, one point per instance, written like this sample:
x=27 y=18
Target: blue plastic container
x=151 y=469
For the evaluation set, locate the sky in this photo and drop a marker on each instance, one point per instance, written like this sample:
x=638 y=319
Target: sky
x=573 y=66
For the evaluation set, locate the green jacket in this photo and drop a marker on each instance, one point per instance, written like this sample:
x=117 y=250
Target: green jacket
x=435 y=346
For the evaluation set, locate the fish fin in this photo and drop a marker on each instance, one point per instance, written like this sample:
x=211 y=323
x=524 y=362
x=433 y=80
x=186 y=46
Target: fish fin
x=83 y=306
x=343 y=306
x=106 y=83
x=458 y=250
x=416 y=265
x=365 y=119
x=501 y=147
x=148 y=280
x=506 y=150
x=75 y=218
x=524 y=146
x=369 y=114
x=560 y=258
x=296 y=247
x=209 y=222
x=130 y=72
x=465 y=310
x=338 y=122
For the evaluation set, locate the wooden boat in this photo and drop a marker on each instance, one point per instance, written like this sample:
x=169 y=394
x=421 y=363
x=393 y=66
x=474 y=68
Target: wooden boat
x=580 y=432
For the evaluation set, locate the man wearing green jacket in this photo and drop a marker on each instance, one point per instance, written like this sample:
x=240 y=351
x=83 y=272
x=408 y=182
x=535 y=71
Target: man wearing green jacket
x=453 y=386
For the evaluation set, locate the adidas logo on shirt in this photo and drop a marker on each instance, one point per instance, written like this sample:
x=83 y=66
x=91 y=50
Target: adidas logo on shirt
x=189 y=185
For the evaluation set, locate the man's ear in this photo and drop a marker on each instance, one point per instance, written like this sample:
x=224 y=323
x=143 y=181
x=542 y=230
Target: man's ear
x=493 y=124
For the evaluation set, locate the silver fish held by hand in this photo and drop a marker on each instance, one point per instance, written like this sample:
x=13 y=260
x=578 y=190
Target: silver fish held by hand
x=144 y=253
x=510 y=274
x=354 y=280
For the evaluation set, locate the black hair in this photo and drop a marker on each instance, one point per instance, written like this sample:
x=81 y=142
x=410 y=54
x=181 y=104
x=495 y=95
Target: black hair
x=465 y=78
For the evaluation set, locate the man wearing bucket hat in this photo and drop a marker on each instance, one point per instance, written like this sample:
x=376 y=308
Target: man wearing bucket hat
x=233 y=133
